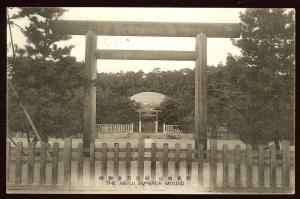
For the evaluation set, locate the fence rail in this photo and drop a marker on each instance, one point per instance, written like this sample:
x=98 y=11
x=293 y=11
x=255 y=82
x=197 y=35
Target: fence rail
x=171 y=128
x=114 y=128
x=261 y=158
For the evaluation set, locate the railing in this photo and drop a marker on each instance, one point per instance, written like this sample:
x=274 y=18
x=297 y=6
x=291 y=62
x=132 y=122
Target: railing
x=114 y=128
x=171 y=128
x=68 y=162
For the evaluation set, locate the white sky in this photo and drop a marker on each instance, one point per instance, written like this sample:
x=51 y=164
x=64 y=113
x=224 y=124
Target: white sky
x=217 y=48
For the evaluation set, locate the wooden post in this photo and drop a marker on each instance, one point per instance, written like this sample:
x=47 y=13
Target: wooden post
x=89 y=115
x=55 y=163
x=18 y=172
x=156 y=123
x=43 y=162
x=188 y=163
x=213 y=164
x=261 y=165
x=140 y=122
x=165 y=161
x=67 y=162
x=273 y=166
x=200 y=165
x=177 y=159
x=225 y=166
x=237 y=166
x=104 y=161
x=249 y=165
x=92 y=163
x=116 y=159
x=128 y=159
x=30 y=169
x=153 y=161
x=285 y=164
x=141 y=158
x=164 y=126
x=200 y=91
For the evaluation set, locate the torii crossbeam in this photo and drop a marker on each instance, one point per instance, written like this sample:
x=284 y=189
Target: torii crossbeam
x=159 y=29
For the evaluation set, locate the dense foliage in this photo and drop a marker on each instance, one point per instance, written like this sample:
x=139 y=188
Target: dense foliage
x=252 y=94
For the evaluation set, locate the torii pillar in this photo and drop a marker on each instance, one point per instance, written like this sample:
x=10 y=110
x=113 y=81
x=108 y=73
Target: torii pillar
x=89 y=107
x=200 y=91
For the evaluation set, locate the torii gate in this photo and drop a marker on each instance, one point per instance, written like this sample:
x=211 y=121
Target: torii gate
x=163 y=29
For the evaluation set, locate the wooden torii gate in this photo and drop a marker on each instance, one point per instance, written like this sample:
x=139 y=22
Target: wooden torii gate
x=162 y=29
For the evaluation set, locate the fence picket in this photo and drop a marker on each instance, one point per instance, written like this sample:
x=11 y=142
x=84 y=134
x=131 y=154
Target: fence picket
x=225 y=167
x=141 y=158
x=30 y=169
x=273 y=166
x=43 y=159
x=200 y=164
x=104 y=161
x=213 y=164
x=55 y=159
x=128 y=159
x=18 y=171
x=249 y=165
x=285 y=164
x=188 y=163
x=165 y=160
x=177 y=159
x=67 y=162
x=261 y=165
x=237 y=166
x=153 y=161
x=116 y=159
x=92 y=162
x=80 y=164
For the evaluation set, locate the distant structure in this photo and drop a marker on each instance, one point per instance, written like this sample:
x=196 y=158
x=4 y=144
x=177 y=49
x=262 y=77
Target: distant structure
x=148 y=110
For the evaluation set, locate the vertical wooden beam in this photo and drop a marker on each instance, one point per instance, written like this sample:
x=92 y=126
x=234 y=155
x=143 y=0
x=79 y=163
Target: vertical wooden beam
x=128 y=159
x=116 y=160
x=141 y=158
x=89 y=115
x=213 y=164
x=225 y=166
x=261 y=166
x=237 y=166
x=177 y=159
x=285 y=164
x=140 y=122
x=200 y=91
x=104 y=161
x=67 y=162
x=165 y=161
x=200 y=165
x=153 y=161
x=249 y=165
x=92 y=163
x=273 y=166
x=18 y=172
x=55 y=159
x=43 y=162
x=188 y=163
x=156 y=123
x=30 y=169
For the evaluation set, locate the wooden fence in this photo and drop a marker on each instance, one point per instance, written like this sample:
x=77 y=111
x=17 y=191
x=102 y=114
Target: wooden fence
x=67 y=154
x=114 y=128
x=171 y=128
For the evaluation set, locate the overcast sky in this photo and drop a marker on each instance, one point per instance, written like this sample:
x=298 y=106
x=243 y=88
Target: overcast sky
x=218 y=48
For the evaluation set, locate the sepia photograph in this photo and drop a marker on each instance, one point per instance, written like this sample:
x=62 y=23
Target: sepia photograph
x=150 y=100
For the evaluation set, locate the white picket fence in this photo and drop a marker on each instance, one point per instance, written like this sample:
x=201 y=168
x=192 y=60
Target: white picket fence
x=171 y=128
x=100 y=128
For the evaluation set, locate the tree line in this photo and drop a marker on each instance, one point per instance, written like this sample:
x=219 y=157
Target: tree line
x=251 y=94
